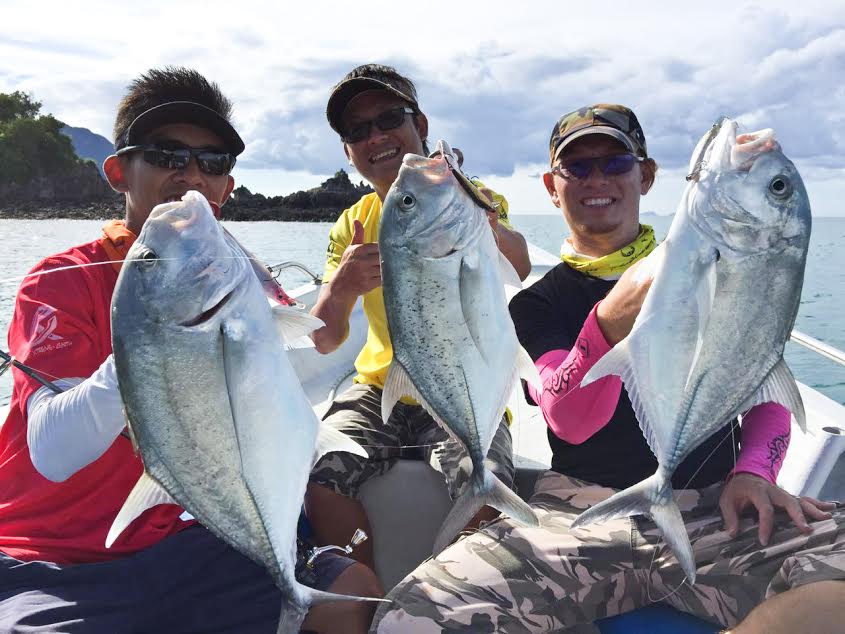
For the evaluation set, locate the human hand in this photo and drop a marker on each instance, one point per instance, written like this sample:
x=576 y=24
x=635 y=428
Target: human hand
x=617 y=312
x=745 y=489
x=359 y=270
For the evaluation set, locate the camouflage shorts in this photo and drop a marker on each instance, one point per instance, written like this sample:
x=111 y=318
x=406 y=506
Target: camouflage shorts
x=513 y=579
x=410 y=432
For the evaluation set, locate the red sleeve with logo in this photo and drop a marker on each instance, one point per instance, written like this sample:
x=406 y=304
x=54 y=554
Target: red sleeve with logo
x=61 y=328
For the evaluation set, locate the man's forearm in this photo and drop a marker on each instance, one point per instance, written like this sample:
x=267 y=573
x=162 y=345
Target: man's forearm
x=513 y=246
x=69 y=431
x=334 y=308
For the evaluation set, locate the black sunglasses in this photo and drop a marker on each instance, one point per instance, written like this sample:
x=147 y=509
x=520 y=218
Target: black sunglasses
x=209 y=161
x=387 y=120
x=613 y=165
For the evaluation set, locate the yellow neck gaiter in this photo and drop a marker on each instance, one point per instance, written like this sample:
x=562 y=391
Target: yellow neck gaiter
x=612 y=265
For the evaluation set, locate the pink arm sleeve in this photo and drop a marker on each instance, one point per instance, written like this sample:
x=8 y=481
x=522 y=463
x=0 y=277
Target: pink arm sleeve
x=574 y=413
x=571 y=412
x=765 y=436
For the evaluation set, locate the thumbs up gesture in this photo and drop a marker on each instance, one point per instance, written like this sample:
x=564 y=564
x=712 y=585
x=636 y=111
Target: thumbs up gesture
x=359 y=270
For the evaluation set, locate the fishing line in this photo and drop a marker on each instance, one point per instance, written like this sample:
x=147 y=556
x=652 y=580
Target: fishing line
x=441 y=443
x=70 y=267
x=661 y=542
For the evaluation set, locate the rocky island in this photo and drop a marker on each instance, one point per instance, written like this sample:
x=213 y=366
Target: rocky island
x=81 y=193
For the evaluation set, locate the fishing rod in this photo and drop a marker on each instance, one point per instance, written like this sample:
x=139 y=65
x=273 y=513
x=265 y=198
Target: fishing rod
x=9 y=361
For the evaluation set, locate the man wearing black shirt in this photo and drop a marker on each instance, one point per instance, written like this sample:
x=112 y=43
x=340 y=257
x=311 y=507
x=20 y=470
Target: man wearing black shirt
x=508 y=578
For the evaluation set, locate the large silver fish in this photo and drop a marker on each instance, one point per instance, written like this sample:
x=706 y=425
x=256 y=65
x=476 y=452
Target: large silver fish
x=213 y=403
x=708 y=342
x=454 y=345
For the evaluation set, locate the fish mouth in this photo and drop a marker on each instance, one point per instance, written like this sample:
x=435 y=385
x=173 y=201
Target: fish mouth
x=208 y=314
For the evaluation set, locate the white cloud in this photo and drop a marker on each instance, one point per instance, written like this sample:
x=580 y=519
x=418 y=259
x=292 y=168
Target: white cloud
x=493 y=77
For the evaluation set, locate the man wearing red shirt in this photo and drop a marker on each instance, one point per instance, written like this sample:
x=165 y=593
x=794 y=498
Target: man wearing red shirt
x=66 y=463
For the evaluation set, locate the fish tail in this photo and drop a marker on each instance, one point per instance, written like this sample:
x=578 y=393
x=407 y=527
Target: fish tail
x=290 y=618
x=651 y=497
x=485 y=491
x=294 y=610
x=320 y=596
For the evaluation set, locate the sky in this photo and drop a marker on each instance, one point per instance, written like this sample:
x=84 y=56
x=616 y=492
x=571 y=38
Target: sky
x=492 y=77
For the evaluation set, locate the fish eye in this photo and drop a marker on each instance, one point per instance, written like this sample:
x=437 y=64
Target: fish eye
x=780 y=186
x=407 y=202
x=147 y=259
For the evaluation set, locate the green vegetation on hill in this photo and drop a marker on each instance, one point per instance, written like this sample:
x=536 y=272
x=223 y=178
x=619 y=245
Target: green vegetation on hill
x=42 y=176
x=31 y=146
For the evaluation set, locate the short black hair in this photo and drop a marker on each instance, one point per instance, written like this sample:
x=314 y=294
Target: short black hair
x=394 y=81
x=160 y=86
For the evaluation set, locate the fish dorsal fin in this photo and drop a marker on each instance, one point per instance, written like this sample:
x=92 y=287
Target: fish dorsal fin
x=617 y=362
x=146 y=494
x=509 y=275
x=294 y=325
x=330 y=439
x=780 y=387
x=705 y=293
x=527 y=370
x=397 y=385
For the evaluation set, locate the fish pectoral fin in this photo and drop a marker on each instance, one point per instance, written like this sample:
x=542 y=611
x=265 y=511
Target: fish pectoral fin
x=527 y=370
x=294 y=325
x=397 y=385
x=146 y=494
x=705 y=293
x=780 y=387
x=509 y=275
x=616 y=362
x=330 y=439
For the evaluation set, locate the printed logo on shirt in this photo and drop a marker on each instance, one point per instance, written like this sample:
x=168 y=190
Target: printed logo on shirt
x=42 y=328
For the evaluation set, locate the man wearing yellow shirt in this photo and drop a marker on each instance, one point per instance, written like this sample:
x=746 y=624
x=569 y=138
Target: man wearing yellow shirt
x=374 y=109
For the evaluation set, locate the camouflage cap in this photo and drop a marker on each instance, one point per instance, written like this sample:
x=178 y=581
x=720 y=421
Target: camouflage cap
x=361 y=79
x=603 y=118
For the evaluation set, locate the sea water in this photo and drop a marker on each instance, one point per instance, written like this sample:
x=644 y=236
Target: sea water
x=25 y=242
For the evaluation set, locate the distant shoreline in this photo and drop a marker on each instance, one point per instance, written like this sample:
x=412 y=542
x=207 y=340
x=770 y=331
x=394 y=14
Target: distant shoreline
x=318 y=204
x=109 y=210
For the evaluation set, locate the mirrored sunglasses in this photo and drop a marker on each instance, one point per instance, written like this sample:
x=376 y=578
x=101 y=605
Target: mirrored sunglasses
x=209 y=161
x=387 y=120
x=613 y=165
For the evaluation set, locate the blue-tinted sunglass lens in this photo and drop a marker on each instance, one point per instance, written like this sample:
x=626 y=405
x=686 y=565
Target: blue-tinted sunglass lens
x=619 y=164
x=580 y=168
x=609 y=165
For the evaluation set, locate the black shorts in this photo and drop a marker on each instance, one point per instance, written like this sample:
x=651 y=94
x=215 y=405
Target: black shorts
x=189 y=582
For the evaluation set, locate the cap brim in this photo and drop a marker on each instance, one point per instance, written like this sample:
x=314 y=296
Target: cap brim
x=595 y=129
x=346 y=91
x=184 y=112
